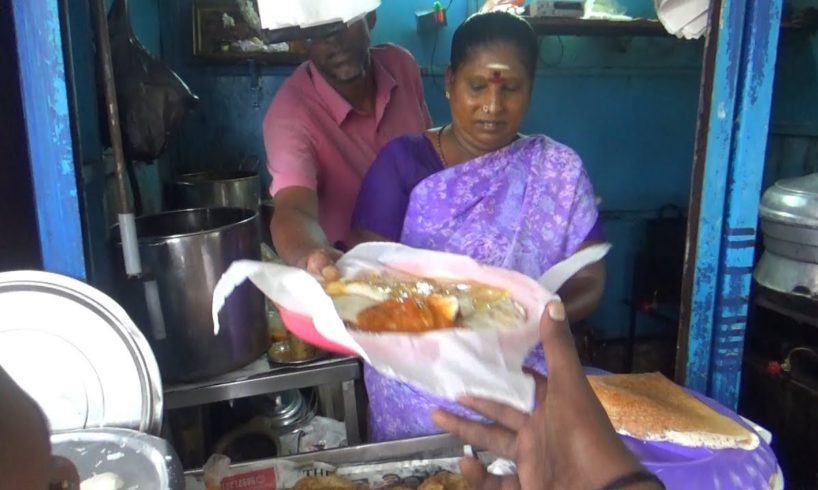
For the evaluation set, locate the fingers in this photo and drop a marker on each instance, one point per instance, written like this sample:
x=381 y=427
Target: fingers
x=477 y=476
x=501 y=413
x=330 y=273
x=64 y=474
x=321 y=262
x=558 y=344
x=492 y=437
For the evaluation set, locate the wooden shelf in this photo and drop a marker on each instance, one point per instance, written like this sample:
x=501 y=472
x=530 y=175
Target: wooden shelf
x=235 y=57
x=563 y=26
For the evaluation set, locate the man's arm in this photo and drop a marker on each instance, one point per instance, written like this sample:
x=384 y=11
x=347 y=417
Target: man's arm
x=297 y=235
x=291 y=159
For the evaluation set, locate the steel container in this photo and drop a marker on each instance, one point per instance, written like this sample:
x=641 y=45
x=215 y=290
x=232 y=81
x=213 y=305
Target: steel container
x=137 y=460
x=789 y=223
x=216 y=189
x=186 y=252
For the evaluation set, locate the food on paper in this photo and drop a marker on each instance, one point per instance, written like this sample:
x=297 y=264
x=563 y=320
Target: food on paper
x=445 y=481
x=650 y=407
x=327 y=482
x=414 y=314
x=392 y=302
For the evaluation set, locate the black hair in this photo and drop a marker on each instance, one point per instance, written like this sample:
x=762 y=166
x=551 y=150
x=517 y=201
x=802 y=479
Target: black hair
x=488 y=28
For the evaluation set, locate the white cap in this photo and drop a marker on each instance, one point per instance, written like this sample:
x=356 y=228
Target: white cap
x=280 y=14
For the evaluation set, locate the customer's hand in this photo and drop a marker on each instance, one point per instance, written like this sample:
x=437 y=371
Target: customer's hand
x=567 y=442
x=321 y=262
x=25 y=450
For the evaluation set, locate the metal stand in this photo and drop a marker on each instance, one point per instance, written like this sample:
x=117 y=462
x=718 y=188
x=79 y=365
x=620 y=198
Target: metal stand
x=260 y=378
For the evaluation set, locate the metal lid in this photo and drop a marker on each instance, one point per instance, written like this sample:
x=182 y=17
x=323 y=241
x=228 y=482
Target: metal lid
x=77 y=353
x=792 y=201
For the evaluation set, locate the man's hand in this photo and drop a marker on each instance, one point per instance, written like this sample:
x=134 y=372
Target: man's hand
x=567 y=442
x=297 y=234
x=321 y=262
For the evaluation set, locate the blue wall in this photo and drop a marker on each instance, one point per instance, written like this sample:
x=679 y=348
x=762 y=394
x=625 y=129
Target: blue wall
x=628 y=107
x=793 y=146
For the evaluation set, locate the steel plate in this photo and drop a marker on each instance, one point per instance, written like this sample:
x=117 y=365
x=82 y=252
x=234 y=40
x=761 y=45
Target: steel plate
x=78 y=354
x=138 y=460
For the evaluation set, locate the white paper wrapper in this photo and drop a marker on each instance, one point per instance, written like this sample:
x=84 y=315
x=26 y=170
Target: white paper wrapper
x=447 y=363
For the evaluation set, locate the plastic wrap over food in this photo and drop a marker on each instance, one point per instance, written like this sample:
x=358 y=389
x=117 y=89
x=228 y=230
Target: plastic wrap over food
x=448 y=362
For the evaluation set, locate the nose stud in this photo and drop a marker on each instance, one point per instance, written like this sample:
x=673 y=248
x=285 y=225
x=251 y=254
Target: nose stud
x=485 y=108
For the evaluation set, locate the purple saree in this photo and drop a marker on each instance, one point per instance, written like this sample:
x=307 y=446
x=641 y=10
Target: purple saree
x=524 y=207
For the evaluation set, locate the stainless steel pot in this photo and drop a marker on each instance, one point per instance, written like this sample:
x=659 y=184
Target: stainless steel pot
x=789 y=222
x=187 y=252
x=216 y=189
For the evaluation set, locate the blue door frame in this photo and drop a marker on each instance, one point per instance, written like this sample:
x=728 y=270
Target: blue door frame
x=728 y=170
x=48 y=126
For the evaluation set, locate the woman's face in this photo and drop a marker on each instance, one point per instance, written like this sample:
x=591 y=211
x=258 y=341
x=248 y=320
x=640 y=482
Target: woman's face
x=489 y=97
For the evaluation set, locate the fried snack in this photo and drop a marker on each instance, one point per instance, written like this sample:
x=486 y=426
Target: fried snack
x=327 y=482
x=411 y=304
x=410 y=315
x=650 y=407
x=445 y=481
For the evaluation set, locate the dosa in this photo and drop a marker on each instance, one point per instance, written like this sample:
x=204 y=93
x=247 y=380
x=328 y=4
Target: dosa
x=650 y=407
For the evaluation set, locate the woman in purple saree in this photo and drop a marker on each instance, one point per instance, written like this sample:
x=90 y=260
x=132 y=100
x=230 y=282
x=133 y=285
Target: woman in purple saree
x=479 y=188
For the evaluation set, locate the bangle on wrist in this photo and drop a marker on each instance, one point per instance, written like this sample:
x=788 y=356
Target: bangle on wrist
x=634 y=478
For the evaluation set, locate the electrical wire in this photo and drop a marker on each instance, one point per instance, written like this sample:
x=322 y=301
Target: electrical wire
x=434 y=50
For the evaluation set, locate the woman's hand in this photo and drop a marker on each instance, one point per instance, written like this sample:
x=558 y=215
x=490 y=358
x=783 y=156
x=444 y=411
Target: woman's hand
x=567 y=442
x=582 y=293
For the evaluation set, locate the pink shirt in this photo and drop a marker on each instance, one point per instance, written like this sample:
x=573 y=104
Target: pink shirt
x=316 y=139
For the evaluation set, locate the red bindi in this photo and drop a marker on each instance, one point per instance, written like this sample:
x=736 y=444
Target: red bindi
x=496 y=77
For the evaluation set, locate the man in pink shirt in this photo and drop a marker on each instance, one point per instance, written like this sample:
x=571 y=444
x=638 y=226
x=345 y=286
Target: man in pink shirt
x=323 y=130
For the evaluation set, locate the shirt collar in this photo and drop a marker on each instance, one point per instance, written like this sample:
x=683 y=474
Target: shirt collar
x=385 y=83
x=339 y=107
